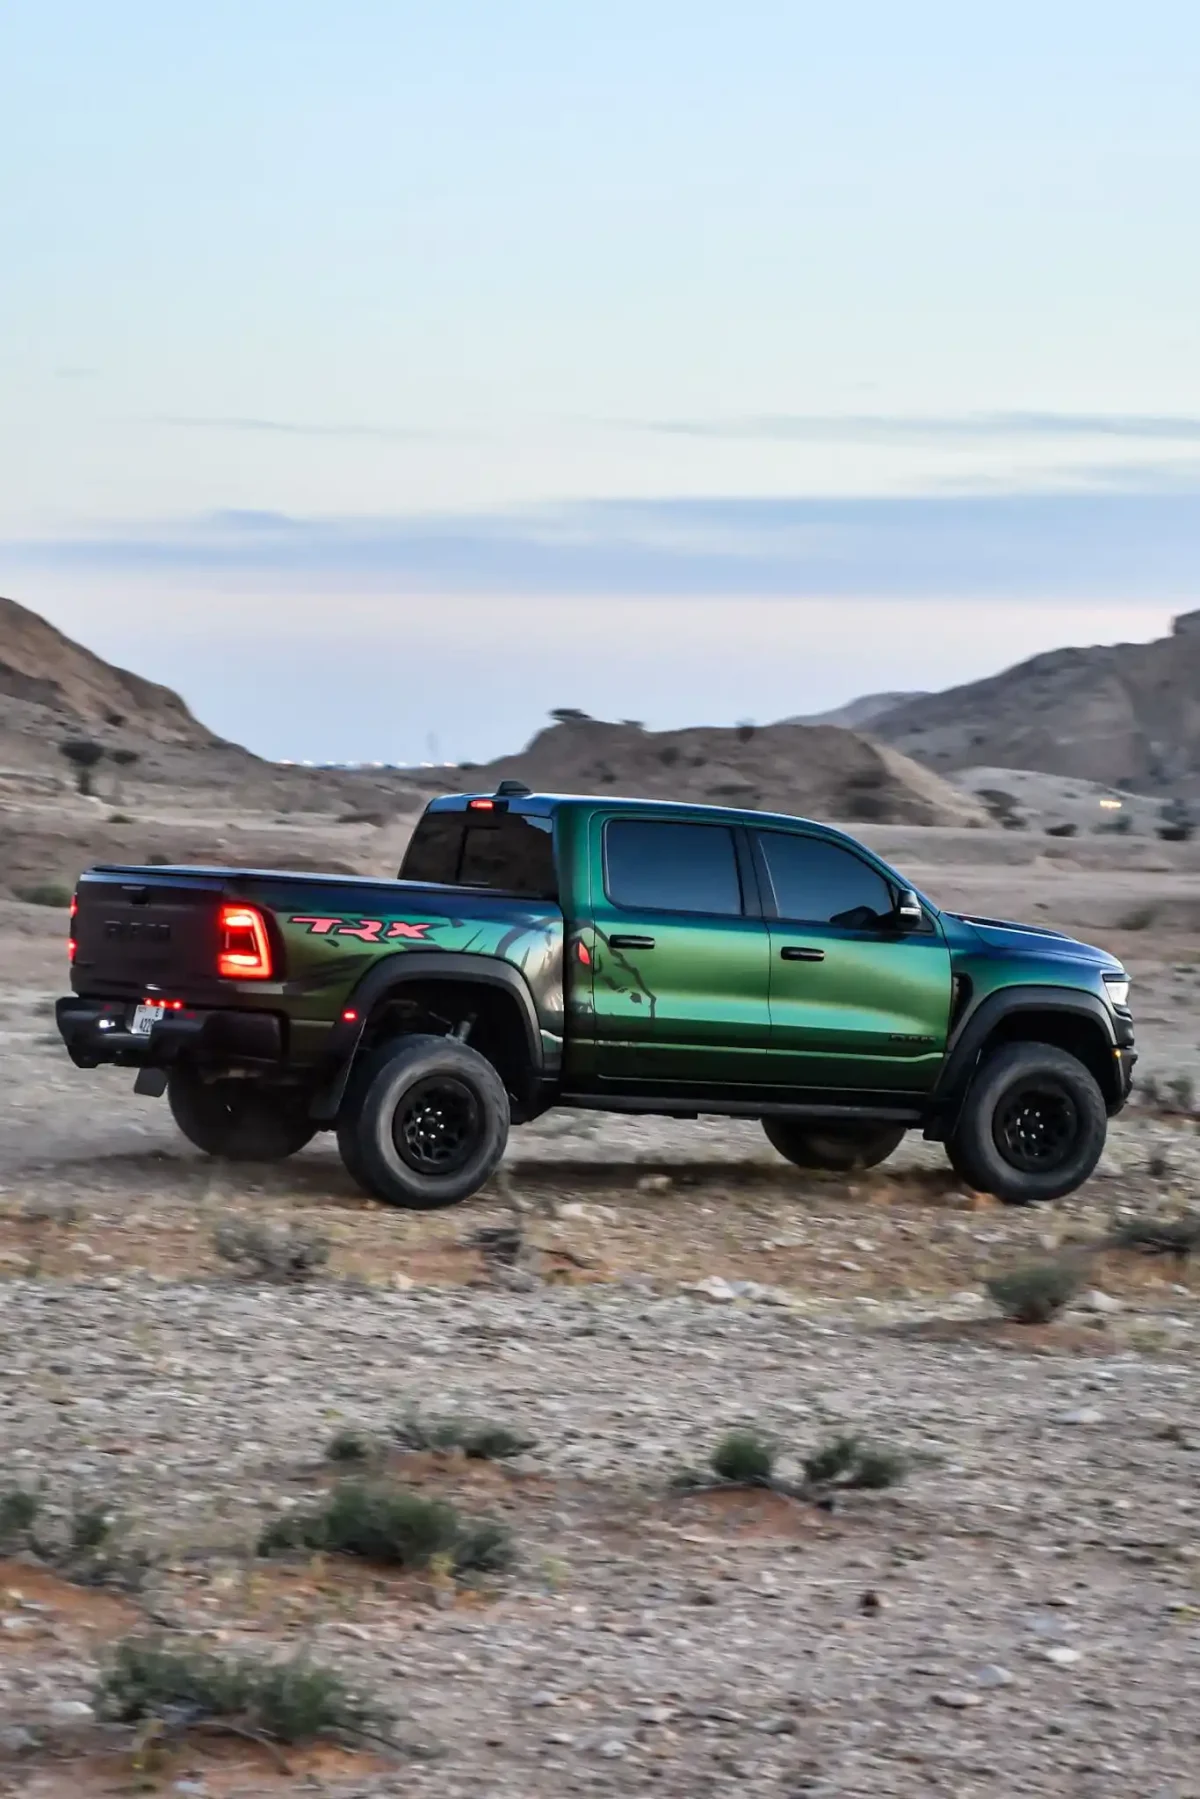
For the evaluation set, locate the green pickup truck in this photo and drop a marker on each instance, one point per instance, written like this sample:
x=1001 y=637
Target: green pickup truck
x=619 y=955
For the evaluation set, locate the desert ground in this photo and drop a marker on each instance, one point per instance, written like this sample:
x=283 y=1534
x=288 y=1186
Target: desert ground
x=1020 y=1614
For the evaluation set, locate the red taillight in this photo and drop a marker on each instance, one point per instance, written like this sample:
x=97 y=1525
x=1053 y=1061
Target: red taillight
x=245 y=953
x=481 y=805
x=349 y=1016
x=72 y=946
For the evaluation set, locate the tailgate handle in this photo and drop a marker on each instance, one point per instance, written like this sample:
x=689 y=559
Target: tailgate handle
x=797 y=952
x=621 y=941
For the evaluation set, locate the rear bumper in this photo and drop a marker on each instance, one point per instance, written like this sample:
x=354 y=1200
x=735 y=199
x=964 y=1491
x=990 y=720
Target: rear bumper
x=96 y=1031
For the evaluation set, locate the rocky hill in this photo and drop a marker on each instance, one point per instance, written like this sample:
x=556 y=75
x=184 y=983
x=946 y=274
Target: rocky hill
x=860 y=714
x=816 y=770
x=1126 y=715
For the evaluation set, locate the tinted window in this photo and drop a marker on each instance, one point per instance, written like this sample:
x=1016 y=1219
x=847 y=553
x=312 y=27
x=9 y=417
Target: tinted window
x=506 y=851
x=816 y=882
x=658 y=866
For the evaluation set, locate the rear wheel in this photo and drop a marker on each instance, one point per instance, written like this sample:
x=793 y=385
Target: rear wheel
x=425 y=1124
x=1032 y=1127
x=831 y=1144
x=239 y=1120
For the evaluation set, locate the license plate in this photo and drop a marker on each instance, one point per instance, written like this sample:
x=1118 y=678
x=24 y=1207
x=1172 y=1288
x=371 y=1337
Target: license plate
x=145 y=1018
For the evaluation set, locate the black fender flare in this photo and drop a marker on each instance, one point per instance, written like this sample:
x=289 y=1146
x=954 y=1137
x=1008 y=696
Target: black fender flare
x=974 y=1029
x=394 y=972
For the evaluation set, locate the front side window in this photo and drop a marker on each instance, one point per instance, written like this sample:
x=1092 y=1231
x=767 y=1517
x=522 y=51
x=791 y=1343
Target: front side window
x=657 y=865
x=817 y=882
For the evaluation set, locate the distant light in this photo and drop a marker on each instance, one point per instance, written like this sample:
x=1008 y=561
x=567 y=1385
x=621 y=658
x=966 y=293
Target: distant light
x=1111 y=805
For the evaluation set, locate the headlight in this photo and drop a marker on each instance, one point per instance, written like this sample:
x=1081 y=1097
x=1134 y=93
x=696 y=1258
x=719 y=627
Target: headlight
x=1118 y=988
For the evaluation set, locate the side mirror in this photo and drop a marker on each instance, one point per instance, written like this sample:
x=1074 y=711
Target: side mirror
x=909 y=913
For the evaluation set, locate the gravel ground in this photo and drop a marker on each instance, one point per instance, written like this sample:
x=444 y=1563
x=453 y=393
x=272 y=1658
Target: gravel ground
x=1022 y=1615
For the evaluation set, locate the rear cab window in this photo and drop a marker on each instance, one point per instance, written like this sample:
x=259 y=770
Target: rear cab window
x=504 y=852
x=668 y=865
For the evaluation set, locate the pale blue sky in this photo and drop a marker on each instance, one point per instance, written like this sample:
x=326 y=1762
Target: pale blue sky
x=825 y=348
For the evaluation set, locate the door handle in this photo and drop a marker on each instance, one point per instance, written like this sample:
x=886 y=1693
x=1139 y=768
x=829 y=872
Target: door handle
x=621 y=941
x=797 y=952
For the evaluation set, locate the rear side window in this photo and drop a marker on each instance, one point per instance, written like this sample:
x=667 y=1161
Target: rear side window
x=506 y=852
x=656 y=865
x=815 y=882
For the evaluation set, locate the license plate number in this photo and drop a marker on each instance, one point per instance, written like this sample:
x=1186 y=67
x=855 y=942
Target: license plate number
x=145 y=1018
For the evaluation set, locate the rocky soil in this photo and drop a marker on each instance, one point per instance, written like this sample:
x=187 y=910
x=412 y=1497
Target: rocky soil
x=1021 y=1615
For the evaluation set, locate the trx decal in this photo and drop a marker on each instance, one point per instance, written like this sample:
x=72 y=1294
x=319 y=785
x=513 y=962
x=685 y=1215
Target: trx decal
x=367 y=930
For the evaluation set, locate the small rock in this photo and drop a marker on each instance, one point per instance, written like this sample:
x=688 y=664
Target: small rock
x=612 y=1749
x=543 y=1698
x=654 y=1183
x=954 y=1699
x=1099 y=1302
x=403 y=1283
x=1061 y=1656
x=70 y=1711
x=1087 y=1414
x=714 y=1287
x=992 y=1675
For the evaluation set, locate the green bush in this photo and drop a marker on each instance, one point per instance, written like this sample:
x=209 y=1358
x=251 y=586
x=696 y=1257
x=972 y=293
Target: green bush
x=744 y=1456
x=270 y=1252
x=385 y=1524
x=1177 y=1237
x=477 y=1439
x=291 y=1701
x=45 y=893
x=1036 y=1293
x=351 y=1445
x=849 y=1462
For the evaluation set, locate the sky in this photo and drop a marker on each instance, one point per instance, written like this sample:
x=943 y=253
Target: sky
x=383 y=375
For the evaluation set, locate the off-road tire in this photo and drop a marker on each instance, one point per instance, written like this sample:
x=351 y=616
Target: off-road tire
x=831 y=1144
x=425 y=1122
x=238 y=1120
x=1032 y=1126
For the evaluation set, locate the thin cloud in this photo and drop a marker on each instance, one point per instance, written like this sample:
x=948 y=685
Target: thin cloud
x=977 y=427
x=295 y=428
x=1130 y=545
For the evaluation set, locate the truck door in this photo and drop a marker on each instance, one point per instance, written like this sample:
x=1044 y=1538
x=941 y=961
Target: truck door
x=855 y=1003
x=680 y=958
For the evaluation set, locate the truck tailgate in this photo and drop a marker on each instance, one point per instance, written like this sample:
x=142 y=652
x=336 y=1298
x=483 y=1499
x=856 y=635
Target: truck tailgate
x=138 y=931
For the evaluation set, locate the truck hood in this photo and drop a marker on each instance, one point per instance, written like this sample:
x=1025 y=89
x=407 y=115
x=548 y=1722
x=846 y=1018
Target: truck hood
x=1035 y=940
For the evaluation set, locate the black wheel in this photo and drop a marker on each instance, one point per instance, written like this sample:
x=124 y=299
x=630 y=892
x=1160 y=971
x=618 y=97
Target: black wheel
x=832 y=1144
x=425 y=1124
x=241 y=1121
x=1032 y=1127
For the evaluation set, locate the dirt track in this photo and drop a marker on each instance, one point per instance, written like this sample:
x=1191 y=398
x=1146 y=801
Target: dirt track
x=1018 y=1617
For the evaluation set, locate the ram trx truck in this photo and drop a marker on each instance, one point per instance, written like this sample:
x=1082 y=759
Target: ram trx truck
x=621 y=955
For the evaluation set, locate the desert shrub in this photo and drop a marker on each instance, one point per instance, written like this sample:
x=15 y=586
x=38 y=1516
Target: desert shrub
x=1177 y=1237
x=566 y=715
x=478 y=1439
x=270 y=1252
x=385 y=1524
x=351 y=1445
x=125 y=758
x=1181 y=833
x=1036 y=1293
x=746 y=729
x=19 y=1510
x=378 y=819
x=1140 y=919
x=120 y=818
x=45 y=893
x=668 y=755
x=850 y=1462
x=1179 y=1095
x=290 y=1701
x=156 y=859
x=1001 y=806
x=83 y=754
x=744 y=1456
x=1158 y=1165
x=1062 y=830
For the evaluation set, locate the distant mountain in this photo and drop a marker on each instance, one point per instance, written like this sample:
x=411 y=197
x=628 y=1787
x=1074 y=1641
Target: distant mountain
x=856 y=715
x=817 y=770
x=40 y=667
x=1126 y=715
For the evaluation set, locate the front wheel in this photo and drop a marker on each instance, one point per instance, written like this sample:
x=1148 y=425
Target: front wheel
x=1032 y=1127
x=831 y=1144
x=426 y=1123
x=238 y=1120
